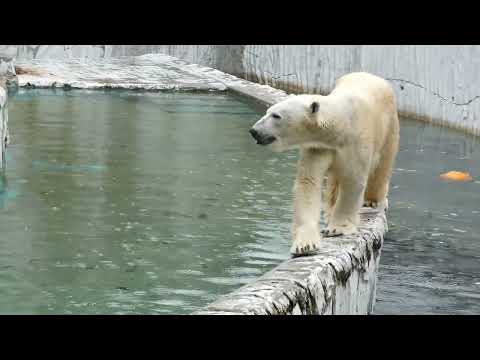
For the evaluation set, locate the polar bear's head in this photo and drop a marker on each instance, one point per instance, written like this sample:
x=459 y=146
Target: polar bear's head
x=289 y=123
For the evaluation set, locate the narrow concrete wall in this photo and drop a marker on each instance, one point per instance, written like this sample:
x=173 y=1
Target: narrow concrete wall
x=3 y=121
x=7 y=73
x=340 y=280
x=7 y=78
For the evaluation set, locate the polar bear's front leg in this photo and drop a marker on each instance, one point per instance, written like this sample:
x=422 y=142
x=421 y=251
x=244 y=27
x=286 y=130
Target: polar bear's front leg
x=307 y=200
x=345 y=217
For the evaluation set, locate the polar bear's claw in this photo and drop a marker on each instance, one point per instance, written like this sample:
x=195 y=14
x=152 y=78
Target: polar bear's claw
x=306 y=241
x=306 y=250
x=370 y=204
x=331 y=231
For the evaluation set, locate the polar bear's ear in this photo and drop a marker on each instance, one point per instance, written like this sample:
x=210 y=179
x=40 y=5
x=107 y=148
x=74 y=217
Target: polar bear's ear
x=314 y=107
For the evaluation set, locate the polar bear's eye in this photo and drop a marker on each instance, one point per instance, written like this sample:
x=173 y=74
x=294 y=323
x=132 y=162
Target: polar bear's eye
x=276 y=116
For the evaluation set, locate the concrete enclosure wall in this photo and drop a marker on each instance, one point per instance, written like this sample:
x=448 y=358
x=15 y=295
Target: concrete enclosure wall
x=434 y=83
x=3 y=121
x=7 y=73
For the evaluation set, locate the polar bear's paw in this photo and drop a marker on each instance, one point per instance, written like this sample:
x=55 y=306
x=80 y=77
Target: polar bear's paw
x=338 y=230
x=377 y=205
x=370 y=204
x=306 y=241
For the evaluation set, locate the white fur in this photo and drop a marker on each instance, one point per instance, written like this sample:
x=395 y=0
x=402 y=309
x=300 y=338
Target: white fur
x=352 y=138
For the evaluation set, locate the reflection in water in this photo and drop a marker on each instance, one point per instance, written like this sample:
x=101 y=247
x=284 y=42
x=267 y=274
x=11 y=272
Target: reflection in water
x=3 y=188
x=131 y=202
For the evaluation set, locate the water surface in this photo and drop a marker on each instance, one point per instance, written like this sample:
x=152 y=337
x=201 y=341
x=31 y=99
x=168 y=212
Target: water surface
x=430 y=261
x=136 y=203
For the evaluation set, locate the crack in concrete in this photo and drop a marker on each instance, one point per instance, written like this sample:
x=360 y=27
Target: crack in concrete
x=435 y=93
x=279 y=76
x=252 y=53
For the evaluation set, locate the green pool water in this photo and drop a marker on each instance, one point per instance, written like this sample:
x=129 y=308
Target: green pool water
x=136 y=203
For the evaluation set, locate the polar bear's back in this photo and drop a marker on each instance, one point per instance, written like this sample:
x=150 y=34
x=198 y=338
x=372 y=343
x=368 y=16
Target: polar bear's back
x=371 y=92
x=365 y=83
x=374 y=106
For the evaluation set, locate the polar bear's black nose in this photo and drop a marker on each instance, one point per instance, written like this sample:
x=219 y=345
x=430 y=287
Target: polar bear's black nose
x=262 y=139
x=254 y=133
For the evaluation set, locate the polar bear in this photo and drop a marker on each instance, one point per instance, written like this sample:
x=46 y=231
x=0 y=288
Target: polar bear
x=351 y=137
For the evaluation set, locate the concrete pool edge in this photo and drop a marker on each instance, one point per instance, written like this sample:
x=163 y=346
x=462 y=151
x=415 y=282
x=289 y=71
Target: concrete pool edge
x=153 y=73
x=3 y=120
x=339 y=279
x=119 y=73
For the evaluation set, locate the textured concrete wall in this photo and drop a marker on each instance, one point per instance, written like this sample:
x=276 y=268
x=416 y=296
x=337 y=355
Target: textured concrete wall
x=3 y=121
x=434 y=83
x=6 y=67
x=440 y=83
x=300 y=68
x=201 y=54
x=7 y=75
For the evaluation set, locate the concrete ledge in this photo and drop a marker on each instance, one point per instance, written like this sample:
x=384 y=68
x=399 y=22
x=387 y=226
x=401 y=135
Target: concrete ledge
x=339 y=279
x=143 y=72
x=7 y=78
x=146 y=72
x=3 y=120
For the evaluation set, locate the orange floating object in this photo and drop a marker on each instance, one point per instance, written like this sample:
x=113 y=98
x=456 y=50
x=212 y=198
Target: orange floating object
x=456 y=176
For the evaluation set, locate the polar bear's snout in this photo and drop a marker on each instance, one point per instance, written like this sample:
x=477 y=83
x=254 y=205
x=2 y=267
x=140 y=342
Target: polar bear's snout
x=262 y=138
